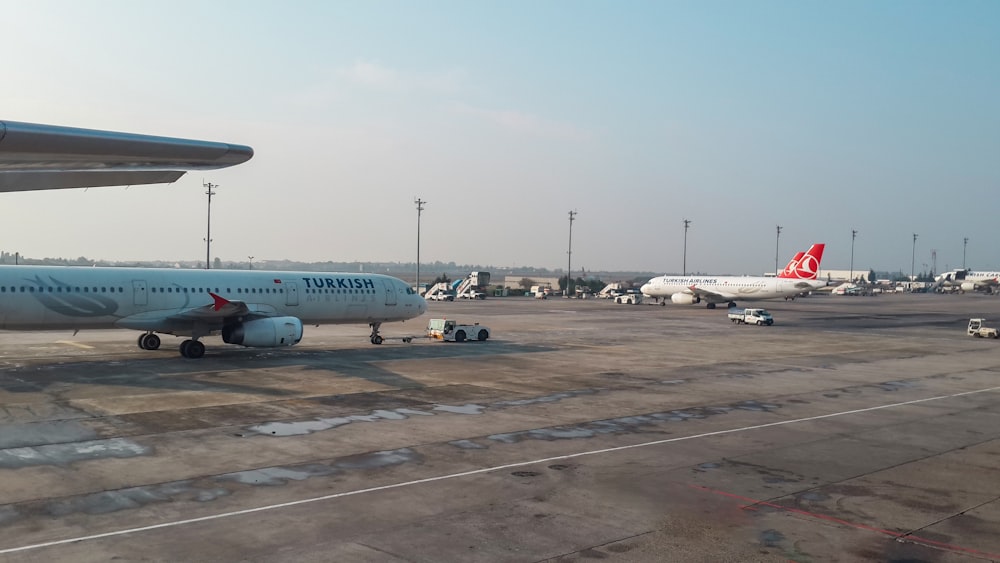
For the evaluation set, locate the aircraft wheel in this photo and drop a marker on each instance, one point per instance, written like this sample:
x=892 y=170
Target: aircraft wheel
x=150 y=342
x=192 y=349
x=140 y=342
x=196 y=349
x=377 y=339
x=483 y=335
x=460 y=336
x=711 y=305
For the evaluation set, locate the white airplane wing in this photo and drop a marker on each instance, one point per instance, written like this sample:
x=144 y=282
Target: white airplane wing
x=210 y=317
x=43 y=157
x=710 y=296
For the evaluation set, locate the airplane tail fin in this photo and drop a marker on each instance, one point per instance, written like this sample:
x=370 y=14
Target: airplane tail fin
x=807 y=268
x=789 y=271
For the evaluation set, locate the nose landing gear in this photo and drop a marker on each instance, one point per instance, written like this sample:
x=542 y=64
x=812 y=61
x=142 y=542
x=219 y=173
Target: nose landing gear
x=376 y=338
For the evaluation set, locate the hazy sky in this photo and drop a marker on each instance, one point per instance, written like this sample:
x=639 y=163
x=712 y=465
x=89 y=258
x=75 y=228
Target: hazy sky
x=821 y=117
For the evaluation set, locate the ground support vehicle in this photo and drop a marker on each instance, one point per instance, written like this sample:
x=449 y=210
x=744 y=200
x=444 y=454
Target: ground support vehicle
x=751 y=316
x=452 y=331
x=629 y=298
x=977 y=329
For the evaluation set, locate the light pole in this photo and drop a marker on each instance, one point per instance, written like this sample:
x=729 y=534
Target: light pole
x=913 y=258
x=684 y=265
x=420 y=208
x=208 y=234
x=569 y=256
x=251 y=261
x=854 y=234
x=965 y=243
x=776 y=239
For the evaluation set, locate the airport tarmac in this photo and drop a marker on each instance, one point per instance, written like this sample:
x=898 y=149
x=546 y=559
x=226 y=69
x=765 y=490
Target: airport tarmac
x=855 y=429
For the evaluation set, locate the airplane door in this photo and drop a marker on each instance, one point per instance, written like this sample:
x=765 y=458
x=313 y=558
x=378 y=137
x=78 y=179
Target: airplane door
x=139 y=292
x=390 y=292
x=291 y=293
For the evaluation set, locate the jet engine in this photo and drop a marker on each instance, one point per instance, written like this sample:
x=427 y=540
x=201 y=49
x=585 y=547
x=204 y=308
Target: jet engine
x=264 y=333
x=968 y=286
x=683 y=299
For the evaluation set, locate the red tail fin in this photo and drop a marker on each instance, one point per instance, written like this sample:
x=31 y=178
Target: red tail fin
x=789 y=271
x=807 y=268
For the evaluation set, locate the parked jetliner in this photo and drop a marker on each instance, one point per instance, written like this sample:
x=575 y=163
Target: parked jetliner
x=968 y=280
x=799 y=276
x=247 y=307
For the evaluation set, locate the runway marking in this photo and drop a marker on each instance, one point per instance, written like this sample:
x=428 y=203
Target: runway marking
x=77 y=344
x=898 y=536
x=479 y=472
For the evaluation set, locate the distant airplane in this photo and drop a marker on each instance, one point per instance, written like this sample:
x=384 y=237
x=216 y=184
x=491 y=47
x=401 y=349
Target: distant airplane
x=46 y=157
x=251 y=308
x=968 y=280
x=798 y=276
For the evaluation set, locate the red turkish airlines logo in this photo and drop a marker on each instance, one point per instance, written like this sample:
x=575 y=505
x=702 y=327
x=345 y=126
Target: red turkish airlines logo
x=808 y=267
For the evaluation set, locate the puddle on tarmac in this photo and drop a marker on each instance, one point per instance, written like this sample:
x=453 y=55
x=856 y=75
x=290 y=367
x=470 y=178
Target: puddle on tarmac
x=460 y=409
x=67 y=454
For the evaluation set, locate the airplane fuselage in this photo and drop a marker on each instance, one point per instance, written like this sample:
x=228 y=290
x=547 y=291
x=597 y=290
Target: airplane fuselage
x=728 y=288
x=53 y=297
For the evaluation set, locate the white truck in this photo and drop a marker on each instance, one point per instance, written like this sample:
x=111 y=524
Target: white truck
x=751 y=316
x=452 y=331
x=977 y=329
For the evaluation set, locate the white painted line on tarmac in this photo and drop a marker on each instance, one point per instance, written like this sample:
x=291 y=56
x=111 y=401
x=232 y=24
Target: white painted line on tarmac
x=478 y=472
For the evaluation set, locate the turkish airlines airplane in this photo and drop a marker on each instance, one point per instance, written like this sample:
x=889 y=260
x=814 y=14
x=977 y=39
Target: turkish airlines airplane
x=969 y=280
x=251 y=308
x=798 y=276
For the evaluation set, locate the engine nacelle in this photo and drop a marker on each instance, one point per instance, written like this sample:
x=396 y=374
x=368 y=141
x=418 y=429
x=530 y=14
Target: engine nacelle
x=683 y=299
x=968 y=286
x=264 y=333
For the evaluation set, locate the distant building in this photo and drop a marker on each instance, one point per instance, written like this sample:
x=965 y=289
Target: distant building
x=514 y=281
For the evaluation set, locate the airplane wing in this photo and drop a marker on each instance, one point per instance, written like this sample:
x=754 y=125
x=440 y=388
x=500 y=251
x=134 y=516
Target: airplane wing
x=209 y=318
x=710 y=296
x=43 y=157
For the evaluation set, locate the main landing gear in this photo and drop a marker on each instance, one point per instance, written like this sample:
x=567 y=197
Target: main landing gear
x=189 y=348
x=376 y=338
x=149 y=341
x=192 y=349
